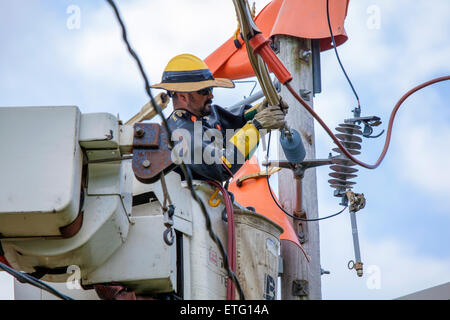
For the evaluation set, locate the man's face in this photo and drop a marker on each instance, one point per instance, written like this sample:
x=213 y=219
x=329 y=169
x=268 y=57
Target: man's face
x=201 y=103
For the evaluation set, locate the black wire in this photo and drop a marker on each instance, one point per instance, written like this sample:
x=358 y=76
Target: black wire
x=337 y=56
x=280 y=207
x=26 y=278
x=183 y=167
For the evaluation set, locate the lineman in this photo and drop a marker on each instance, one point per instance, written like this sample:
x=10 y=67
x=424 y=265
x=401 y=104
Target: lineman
x=201 y=130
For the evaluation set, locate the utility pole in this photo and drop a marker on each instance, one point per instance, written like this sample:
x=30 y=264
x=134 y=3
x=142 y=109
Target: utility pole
x=300 y=279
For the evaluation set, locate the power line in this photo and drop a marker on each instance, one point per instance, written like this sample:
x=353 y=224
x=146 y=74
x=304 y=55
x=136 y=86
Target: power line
x=280 y=207
x=26 y=278
x=183 y=167
x=337 y=56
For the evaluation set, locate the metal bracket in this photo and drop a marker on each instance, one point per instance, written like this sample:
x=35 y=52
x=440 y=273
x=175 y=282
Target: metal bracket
x=357 y=201
x=151 y=154
x=299 y=169
x=305 y=54
x=299 y=172
x=305 y=93
x=302 y=230
x=368 y=122
x=300 y=288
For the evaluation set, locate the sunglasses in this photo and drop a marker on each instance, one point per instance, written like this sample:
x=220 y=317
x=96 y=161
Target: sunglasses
x=205 y=92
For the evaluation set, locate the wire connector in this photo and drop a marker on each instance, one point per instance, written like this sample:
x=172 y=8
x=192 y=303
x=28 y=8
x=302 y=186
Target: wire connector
x=357 y=201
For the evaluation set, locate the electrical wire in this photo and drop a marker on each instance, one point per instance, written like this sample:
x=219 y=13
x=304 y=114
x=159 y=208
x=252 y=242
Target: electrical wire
x=26 y=278
x=280 y=207
x=231 y=235
x=390 y=125
x=339 y=59
x=258 y=65
x=391 y=120
x=185 y=170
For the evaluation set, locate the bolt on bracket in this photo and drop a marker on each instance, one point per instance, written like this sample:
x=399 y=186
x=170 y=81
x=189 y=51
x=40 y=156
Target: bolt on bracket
x=305 y=54
x=305 y=93
x=300 y=288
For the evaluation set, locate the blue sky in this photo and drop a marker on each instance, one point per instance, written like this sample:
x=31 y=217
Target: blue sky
x=403 y=229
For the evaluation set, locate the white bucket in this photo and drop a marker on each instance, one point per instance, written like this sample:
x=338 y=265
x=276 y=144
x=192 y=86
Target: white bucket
x=257 y=247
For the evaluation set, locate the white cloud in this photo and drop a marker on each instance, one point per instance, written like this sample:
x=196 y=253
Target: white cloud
x=401 y=268
x=420 y=146
x=424 y=156
x=156 y=33
x=383 y=64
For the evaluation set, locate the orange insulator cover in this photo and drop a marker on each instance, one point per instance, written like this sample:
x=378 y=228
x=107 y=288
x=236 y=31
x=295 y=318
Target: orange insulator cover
x=297 y=18
x=255 y=193
x=261 y=46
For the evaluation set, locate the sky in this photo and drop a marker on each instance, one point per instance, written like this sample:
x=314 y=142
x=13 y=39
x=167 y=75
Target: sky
x=57 y=53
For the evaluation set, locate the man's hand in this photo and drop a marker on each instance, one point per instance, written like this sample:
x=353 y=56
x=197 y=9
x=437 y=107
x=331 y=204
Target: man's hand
x=250 y=113
x=269 y=118
x=264 y=104
x=284 y=106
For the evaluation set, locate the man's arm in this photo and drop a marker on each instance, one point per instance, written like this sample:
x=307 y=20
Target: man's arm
x=200 y=148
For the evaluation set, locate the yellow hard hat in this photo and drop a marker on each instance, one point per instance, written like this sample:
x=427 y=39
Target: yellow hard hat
x=187 y=73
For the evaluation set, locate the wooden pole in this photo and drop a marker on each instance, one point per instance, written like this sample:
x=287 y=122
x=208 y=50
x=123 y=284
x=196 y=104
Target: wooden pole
x=300 y=279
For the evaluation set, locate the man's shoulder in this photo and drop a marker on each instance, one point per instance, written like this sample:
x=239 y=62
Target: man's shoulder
x=179 y=114
x=226 y=119
x=180 y=118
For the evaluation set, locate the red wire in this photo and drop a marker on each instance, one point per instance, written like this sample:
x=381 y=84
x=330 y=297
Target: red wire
x=231 y=291
x=391 y=121
x=228 y=169
x=4 y=261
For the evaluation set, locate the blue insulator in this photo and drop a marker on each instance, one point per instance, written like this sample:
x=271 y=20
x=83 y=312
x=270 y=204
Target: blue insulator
x=293 y=147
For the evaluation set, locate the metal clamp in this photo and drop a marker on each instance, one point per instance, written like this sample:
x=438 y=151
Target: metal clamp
x=358 y=266
x=369 y=123
x=357 y=201
x=300 y=168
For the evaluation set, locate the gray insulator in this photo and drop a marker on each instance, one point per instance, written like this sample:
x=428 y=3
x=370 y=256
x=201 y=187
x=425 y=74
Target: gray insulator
x=293 y=147
x=342 y=166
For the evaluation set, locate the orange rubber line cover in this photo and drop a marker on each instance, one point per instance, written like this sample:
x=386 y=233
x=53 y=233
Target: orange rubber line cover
x=297 y=18
x=255 y=193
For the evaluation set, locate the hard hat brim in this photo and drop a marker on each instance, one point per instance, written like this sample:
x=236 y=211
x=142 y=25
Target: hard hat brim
x=195 y=86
